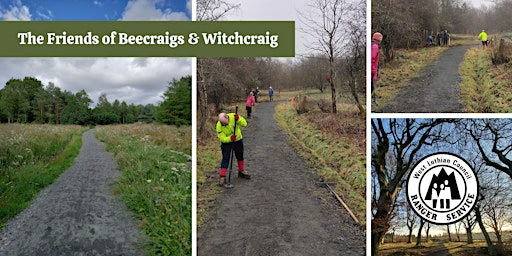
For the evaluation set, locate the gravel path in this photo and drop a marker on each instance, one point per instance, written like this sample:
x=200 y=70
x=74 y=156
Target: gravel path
x=436 y=90
x=76 y=215
x=280 y=211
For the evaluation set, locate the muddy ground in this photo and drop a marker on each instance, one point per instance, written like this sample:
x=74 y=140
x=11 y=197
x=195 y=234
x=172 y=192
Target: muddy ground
x=436 y=90
x=76 y=215
x=281 y=210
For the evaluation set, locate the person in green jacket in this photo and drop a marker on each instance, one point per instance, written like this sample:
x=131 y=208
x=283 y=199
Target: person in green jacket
x=229 y=141
x=483 y=37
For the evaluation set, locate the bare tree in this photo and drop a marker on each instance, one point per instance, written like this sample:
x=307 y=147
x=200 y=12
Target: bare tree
x=410 y=221
x=407 y=23
x=469 y=223
x=325 y=22
x=427 y=230
x=483 y=200
x=208 y=10
x=496 y=208
x=418 y=238
x=312 y=72
x=492 y=137
x=211 y=10
x=449 y=233
x=458 y=227
x=403 y=139
x=356 y=52
x=478 y=215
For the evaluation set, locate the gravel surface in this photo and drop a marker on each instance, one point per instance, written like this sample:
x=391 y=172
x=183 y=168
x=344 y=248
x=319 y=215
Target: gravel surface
x=436 y=90
x=280 y=211
x=76 y=215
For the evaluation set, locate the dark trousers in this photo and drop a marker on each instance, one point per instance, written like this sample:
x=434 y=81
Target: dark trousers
x=226 y=148
x=249 y=111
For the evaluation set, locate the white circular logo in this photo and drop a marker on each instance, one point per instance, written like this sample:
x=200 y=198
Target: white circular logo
x=442 y=188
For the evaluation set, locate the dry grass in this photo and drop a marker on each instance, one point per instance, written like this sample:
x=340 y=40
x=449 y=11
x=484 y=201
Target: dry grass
x=457 y=40
x=485 y=87
x=334 y=144
x=432 y=247
x=396 y=75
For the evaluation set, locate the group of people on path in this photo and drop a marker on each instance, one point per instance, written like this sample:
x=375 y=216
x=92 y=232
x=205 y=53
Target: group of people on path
x=252 y=99
x=229 y=131
x=442 y=38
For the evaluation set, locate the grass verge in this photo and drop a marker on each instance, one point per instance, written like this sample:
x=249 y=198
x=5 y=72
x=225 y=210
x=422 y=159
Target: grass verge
x=207 y=175
x=32 y=157
x=485 y=88
x=396 y=75
x=334 y=147
x=156 y=181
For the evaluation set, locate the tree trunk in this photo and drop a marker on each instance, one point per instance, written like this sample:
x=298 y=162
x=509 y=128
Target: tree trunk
x=380 y=222
x=409 y=237
x=498 y=236
x=469 y=234
x=449 y=234
x=427 y=231
x=490 y=247
x=331 y=82
x=202 y=98
x=418 y=239
x=376 y=238
x=353 y=90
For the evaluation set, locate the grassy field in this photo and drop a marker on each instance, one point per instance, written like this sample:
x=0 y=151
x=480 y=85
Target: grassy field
x=156 y=181
x=31 y=158
x=435 y=248
x=336 y=144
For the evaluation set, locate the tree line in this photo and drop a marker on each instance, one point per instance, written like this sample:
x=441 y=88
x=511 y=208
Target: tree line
x=397 y=144
x=27 y=100
x=407 y=23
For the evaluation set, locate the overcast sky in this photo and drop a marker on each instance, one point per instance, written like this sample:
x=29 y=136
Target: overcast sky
x=478 y=3
x=134 y=80
x=287 y=10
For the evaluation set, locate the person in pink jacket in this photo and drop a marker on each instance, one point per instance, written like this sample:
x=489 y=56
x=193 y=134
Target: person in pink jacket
x=249 y=103
x=376 y=40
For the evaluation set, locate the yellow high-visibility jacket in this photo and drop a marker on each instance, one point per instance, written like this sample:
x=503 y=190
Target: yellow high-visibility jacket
x=483 y=36
x=224 y=132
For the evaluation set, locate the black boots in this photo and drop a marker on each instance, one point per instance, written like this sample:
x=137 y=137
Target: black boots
x=244 y=174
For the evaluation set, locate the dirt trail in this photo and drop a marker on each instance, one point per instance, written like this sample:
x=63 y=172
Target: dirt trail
x=436 y=90
x=76 y=215
x=279 y=211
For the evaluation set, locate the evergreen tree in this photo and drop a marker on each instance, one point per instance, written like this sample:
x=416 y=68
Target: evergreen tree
x=15 y=102
x=146 y=113
x=176 y=109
